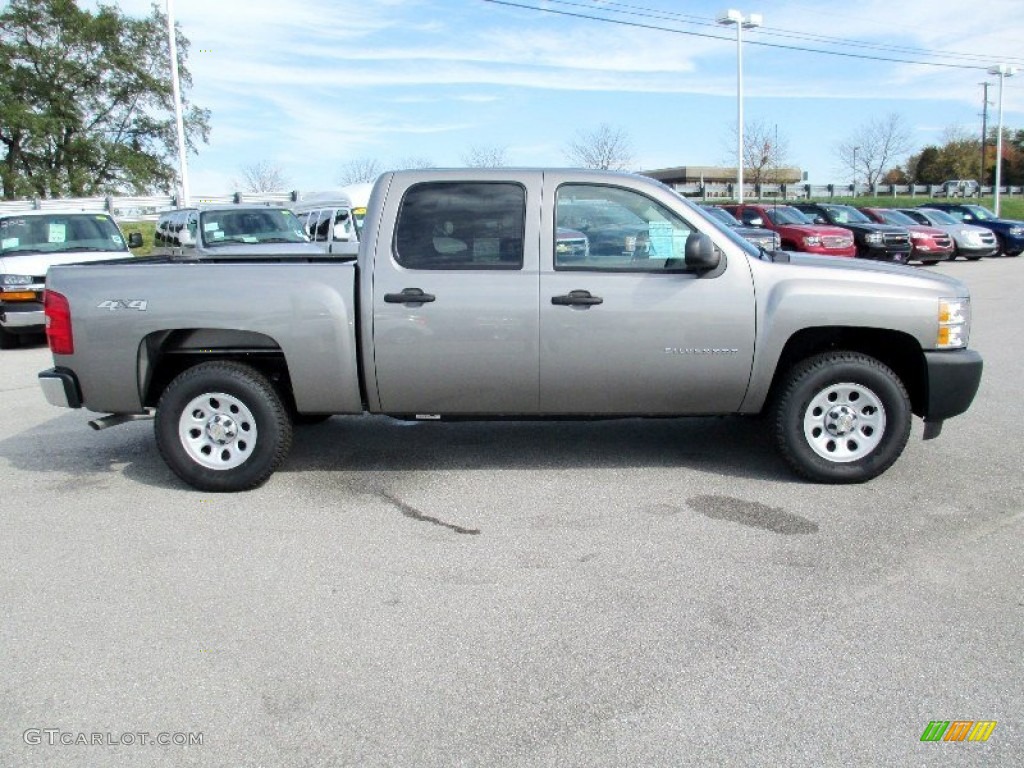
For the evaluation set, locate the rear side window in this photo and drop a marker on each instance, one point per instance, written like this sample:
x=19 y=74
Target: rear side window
x=461 y=225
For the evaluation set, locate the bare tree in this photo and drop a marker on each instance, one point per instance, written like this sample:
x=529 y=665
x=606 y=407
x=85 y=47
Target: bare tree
x=485 y=157
x=359 y=171
x=605 y=147
x=261 y=177
x=875 y=147
x=765 y=151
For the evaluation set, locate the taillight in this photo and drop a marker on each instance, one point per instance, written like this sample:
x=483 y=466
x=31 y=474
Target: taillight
x=58 y=323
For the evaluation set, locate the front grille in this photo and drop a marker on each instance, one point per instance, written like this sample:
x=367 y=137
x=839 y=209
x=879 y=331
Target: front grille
x=896 y=240
x=836 y=241
x=943 y=241
x=987 y=238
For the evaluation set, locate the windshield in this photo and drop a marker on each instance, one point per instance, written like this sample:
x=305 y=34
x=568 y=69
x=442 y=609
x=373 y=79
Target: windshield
x=785 y=214
x=846 y=214
x=60 y=233
x=722 y=215
x=939 y=217
x=250 y=225
x=981 y=213
x=895 y=217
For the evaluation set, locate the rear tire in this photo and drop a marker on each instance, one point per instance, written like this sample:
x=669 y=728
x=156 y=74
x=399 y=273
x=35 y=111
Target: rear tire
x=221 y=426
x=842 y=417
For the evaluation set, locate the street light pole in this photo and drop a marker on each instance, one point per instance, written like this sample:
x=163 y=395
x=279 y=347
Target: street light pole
x=742 y=22
x=176 y=92
x=1004 y=72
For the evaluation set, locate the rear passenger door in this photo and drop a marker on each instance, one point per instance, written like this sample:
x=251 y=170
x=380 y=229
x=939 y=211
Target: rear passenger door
x=455 y=304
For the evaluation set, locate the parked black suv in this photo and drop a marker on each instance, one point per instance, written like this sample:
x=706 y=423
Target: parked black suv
x=1009 y=233
x=874 y=241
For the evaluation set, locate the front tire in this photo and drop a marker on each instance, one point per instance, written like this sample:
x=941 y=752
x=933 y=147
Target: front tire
x=842 y=417
x=221 y=426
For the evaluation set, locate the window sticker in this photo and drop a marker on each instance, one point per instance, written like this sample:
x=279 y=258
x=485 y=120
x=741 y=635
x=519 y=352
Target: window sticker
x=10 y=242
x=58 y=233
x=117 y=239
x=211 y=226
x=218 y=234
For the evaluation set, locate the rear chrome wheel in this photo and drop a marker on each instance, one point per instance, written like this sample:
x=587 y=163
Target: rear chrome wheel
x=221 y=426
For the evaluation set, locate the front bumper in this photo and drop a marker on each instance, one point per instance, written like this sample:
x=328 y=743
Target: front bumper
x=953 y=378
x=22 y=317
x=880 y=253
x=60 y=387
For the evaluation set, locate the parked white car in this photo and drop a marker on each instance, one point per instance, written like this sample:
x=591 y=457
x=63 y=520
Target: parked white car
x=33 y=241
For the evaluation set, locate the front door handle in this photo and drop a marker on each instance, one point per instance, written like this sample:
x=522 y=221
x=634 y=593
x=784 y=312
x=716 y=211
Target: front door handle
x=409 y=296
x=576 y=298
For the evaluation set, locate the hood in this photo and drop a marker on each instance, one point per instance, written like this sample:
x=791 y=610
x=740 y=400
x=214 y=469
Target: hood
x=36 y=264
x=242 y=250
x=865 y=269
x=822 y=230
x=864 y=226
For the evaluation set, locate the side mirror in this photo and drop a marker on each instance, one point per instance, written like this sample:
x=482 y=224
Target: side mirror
x=134 y=239
x=700 y=252
x=968 y=217
x=340 y=233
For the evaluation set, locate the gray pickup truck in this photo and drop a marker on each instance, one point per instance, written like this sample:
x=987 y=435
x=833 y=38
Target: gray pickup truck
x=464 y=303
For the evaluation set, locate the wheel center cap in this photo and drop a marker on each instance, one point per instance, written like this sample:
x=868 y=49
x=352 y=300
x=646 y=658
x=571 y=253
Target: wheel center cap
x=841 y=421
x=221 y=429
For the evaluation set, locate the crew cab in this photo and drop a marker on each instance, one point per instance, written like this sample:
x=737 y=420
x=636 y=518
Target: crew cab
x=460 y=304
x=33 y=241
x=874 y=241
x=1009 y=233
x=929 y=245
x=795 y=230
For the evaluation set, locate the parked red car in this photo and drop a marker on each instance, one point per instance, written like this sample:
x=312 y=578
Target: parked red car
x=798 y=233
x=929 y=245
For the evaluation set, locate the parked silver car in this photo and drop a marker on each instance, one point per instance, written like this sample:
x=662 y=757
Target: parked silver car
x=970 y=241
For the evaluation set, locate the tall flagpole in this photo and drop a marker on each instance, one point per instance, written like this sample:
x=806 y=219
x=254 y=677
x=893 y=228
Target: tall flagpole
x=182 y=159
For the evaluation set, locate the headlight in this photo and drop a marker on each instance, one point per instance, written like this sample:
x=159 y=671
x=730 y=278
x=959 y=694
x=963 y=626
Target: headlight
x=1017 y=231
x=972 y=237
x=812 y=240
x=6 y=280
x=918 y=236
x=954 y=323
x=874 y=238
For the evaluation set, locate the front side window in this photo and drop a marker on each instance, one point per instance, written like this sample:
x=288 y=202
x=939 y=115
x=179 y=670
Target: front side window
x=610 y=228
x=461 y=225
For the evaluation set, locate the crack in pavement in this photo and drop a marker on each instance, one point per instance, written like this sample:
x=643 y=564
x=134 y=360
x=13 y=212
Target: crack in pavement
x=411 y=512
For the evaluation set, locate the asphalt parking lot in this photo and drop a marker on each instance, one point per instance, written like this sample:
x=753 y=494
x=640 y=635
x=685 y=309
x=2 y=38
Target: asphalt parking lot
x=623 y=593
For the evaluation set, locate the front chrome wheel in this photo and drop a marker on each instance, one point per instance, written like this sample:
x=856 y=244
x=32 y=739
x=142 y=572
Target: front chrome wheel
x=844 y=422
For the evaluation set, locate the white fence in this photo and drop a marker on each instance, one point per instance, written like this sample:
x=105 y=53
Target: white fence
x=141 y=208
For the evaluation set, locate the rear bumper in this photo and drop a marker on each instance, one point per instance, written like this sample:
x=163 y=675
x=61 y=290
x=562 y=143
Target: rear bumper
x=953 y=380
x=60 y=387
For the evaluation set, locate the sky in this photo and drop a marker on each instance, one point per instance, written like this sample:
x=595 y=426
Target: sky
x=311 y=86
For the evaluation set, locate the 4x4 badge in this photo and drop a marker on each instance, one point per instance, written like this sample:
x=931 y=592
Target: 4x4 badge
x=116 y=304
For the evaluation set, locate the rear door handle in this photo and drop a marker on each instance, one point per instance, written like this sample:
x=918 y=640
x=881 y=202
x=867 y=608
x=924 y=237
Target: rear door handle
x=409 y=296
x=576 y=298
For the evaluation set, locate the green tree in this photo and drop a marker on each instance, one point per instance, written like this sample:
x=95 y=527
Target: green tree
x=86 y=103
